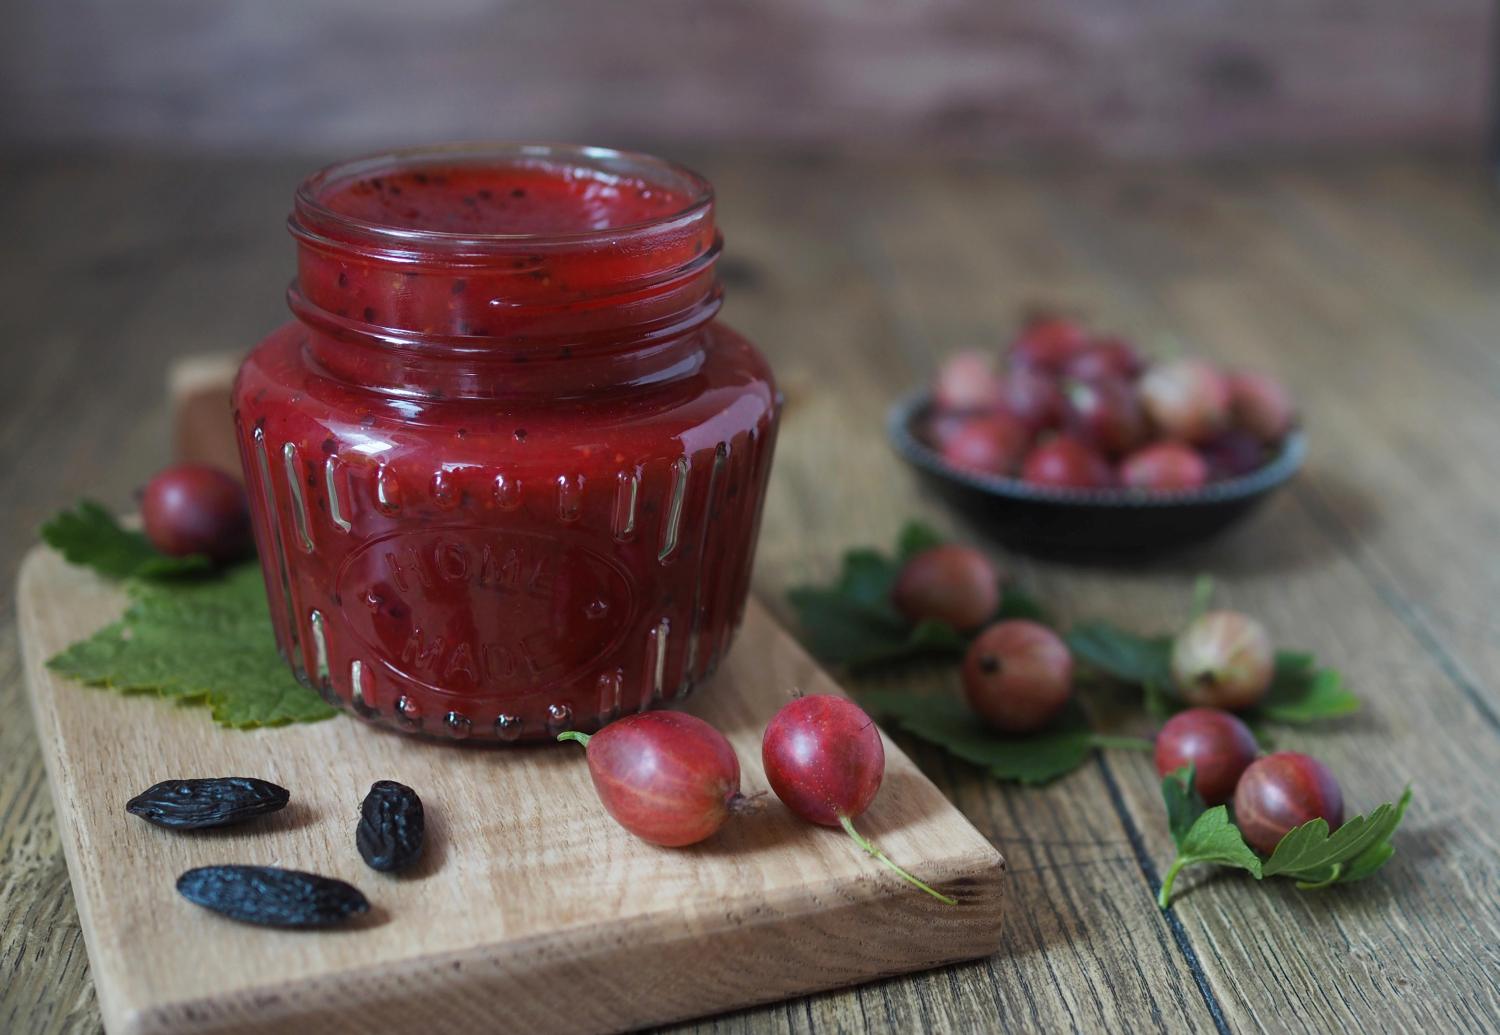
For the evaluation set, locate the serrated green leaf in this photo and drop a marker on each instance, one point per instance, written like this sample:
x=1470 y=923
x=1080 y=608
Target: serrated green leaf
x=1377 y=855
x=1123 y=655
x=1184 y=804
x=90 y=536
x=1313 y=856
x=206 y=641
x=1035 y=758
x=1302 y=692
x=1213 y=838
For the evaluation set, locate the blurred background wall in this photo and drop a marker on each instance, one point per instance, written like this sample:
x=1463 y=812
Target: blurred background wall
x=1090 y=77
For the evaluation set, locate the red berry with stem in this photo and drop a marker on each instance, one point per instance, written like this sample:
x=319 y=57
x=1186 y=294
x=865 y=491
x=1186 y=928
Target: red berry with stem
x=1164 y=465
x=1066 y=462
x=196 y=509
x=967 y=382
x=1033 y=397
x=1223 y=659
x=1218 y=746
x=667 y=777
x=1105 y=413
x=1282 y=791
x=1018 y=676
x=1187 y=399
x=1048 y=343
x=1106 y=359
x=950 y=583
x=1261 y=405
x=990 y=443
x=824 y=759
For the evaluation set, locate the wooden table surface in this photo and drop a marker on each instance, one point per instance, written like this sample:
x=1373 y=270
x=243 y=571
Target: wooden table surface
x=1369 y=284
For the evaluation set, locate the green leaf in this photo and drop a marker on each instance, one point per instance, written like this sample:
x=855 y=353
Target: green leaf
x=207 y=641
x=1212 y=838
x=1125 y=656
x=1377 y=855
x=90 y=536
x=1031 y=759
x=1314 y=857
x=1016 y=603
x=1302 y=692
x=915 y=538
x=1184 y=805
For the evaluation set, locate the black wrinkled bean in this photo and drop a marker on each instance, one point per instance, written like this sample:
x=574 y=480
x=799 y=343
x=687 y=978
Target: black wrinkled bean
x=391 y=826
x=195 y=804
x=272 y=897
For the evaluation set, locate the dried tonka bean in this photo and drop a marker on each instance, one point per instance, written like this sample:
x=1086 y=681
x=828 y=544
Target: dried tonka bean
x=391 y=825
x=272 y=897
x=195 y=804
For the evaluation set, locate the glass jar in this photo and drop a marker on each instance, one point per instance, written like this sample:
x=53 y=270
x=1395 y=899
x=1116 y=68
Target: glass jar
x=506 y=468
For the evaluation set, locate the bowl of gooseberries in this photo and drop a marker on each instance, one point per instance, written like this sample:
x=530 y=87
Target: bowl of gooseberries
x=1075 y=444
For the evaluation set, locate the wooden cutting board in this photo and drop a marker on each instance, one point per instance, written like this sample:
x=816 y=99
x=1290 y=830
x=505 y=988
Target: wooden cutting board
x=533 y=911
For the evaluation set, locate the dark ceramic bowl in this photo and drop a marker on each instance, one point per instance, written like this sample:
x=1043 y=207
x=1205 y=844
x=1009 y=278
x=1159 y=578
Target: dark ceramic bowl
x=1089 y=524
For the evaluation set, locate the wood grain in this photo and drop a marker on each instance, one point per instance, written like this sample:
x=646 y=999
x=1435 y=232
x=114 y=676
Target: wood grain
x=1369 y=282
x=527 y=889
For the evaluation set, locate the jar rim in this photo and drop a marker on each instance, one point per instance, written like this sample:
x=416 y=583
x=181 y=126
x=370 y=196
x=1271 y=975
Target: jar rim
x=315 y=216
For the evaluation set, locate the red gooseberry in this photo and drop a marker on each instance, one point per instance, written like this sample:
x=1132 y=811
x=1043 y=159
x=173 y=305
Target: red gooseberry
x=1282 y=791
x=196 y=509
x=1164 y=465
x=1048 y=343
x=1223 y=659
x=1186 y=399
x=824 y=759
x=950 y=583
x=1018 y=676
x=667 y=777
x=990 y=443
x=1105 y=413
x=1033 y=397
x=966 y=382
x=1261 y=405
x=1218 y=746
x=1066 y=462
x=1105 y=359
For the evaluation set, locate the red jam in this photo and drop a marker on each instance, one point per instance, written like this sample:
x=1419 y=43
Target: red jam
x=506 y=467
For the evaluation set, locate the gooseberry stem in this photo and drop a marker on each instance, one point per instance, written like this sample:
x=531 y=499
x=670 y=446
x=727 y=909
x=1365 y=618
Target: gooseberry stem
x=872 y=850
x=1164 y=896
x=582 y=738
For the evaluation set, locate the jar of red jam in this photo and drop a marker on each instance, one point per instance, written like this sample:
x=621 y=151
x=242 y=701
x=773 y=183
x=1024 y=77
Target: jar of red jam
x=506 y=466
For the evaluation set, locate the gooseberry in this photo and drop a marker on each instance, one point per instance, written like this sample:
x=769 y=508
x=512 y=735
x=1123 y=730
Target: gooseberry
x=1066 y=462
x=950 y=583
x=1218 y=746
x=196 y=509
x=1186 y=399
x=667 y=777
x=990 y=443
x=1261 y=405
x=824 y=759
x=1282 y=791
x=1018 y=676
x=966 y=382
x=1164 y=465
x=1105 y=413
x=1223 y=659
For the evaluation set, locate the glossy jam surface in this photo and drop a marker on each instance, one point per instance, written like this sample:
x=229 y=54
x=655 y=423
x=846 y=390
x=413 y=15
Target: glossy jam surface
x=540 y=198
x=510 y=486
